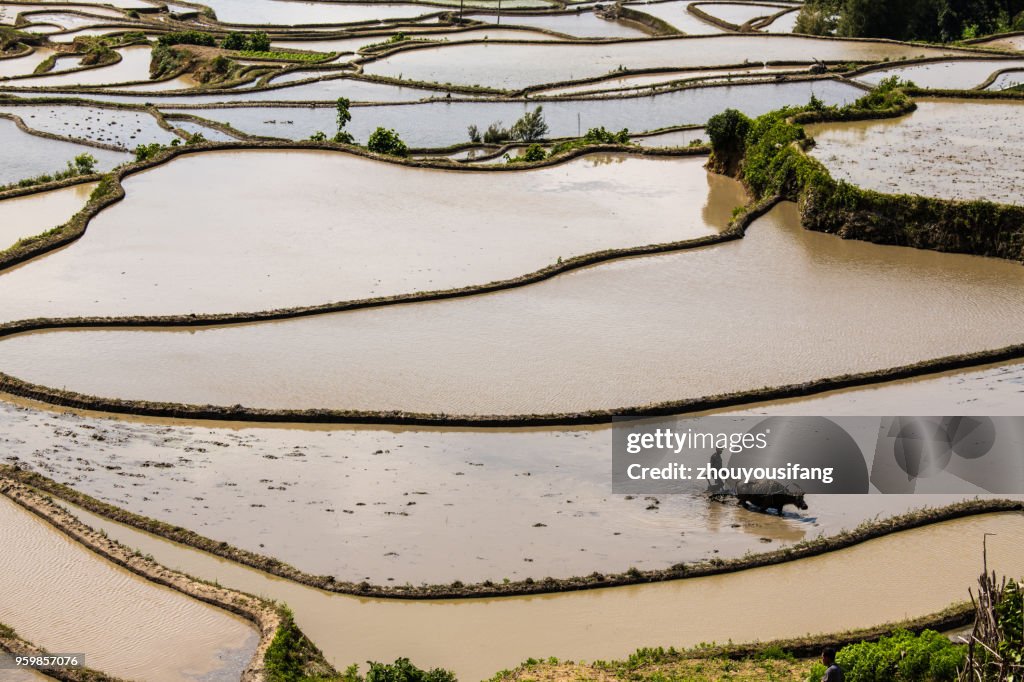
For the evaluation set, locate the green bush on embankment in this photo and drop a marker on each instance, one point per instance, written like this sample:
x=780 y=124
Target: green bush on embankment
x=768 y=155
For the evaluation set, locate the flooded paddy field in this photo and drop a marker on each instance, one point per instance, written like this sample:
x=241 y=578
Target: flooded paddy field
x=1010 y=79
x=126 y=625
x=518 y=66
x=441 y=124
x=674 y=13
x=952 y=149
x=452 y=356
x=294 y=13
x=134 y=66
x=406 y=505
x=738 y=13
x=637 y=81
x=951 y=75
x=784 y=24
x=23 y=66
x=293 y=249
x=325 y=90
x=477 y=636
x=23 y=155
x=123 y=128
x=342 y=45
x=576 y=24
x=34 y=214
x=992 y=390
x=233 y=231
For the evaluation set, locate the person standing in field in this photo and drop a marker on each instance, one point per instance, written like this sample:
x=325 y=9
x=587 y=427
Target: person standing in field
x=833 y=673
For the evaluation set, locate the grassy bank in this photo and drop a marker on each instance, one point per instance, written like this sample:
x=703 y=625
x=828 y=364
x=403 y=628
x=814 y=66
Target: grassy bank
x=769 y=154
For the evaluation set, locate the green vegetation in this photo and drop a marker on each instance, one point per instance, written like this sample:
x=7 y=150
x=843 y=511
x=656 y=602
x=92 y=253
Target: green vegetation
x=96 y=50
x=770 y=159
x=903 y=657
x=11 y=39
x=399 y=671
x=145 y=152
x=285 y=56
x=165 y=61
x=83 y=164
x=529 y=128
x=344 y=115
x=931 y=20
x=247 y=42
x=386 y=141
x=291 y=657
x=188 y=38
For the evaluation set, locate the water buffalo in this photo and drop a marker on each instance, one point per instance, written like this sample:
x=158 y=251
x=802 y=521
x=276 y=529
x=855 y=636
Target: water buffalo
x=769 y=495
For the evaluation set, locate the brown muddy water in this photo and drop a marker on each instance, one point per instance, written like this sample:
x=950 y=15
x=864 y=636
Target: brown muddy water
x=21 y=66
x=134 y=66
x=517 y=66
x=950 y=75
x=643 y=80
x=738 y=13
x=410 y=505
x=62 y=597
x=888 y=579
x=952 y=149
x=782 y=305
x=304 y=228
x=36 y=213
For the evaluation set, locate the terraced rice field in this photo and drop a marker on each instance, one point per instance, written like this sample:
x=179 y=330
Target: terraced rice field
x=352 y=312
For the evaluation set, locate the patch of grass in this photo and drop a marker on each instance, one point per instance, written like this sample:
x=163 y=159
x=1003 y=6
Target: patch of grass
x=286 y=56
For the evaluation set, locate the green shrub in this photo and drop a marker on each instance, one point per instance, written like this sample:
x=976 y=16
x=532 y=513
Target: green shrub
x=903 y=657
x=530 y=127
x=728 y=132
x=256 y=42
x=187 y=38
x=386 y=141
x=602 y=136
x=404 y=671
x=144 y=152
x=495 y=134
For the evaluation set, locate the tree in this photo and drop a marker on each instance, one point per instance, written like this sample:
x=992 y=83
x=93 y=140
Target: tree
x=530 y=127
x=474 y=133
x=85 y=164
x=386 y=141
x=343 y=117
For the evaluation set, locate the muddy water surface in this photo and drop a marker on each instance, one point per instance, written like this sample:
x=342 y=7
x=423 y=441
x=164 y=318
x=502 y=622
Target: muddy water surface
x=21 y=66
x=579 y=25
x=305 y=228
x=398 y=505
x=23 y=155
x=62 y=597
x=951 y=75
x=675 y=14
x=134 y=66
x=952 y=149
x=595 y=338
x=737 y=13
x=123 y=128
x=517 y=66
x=36 y=213
x=477 y=637
x=440 y=124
